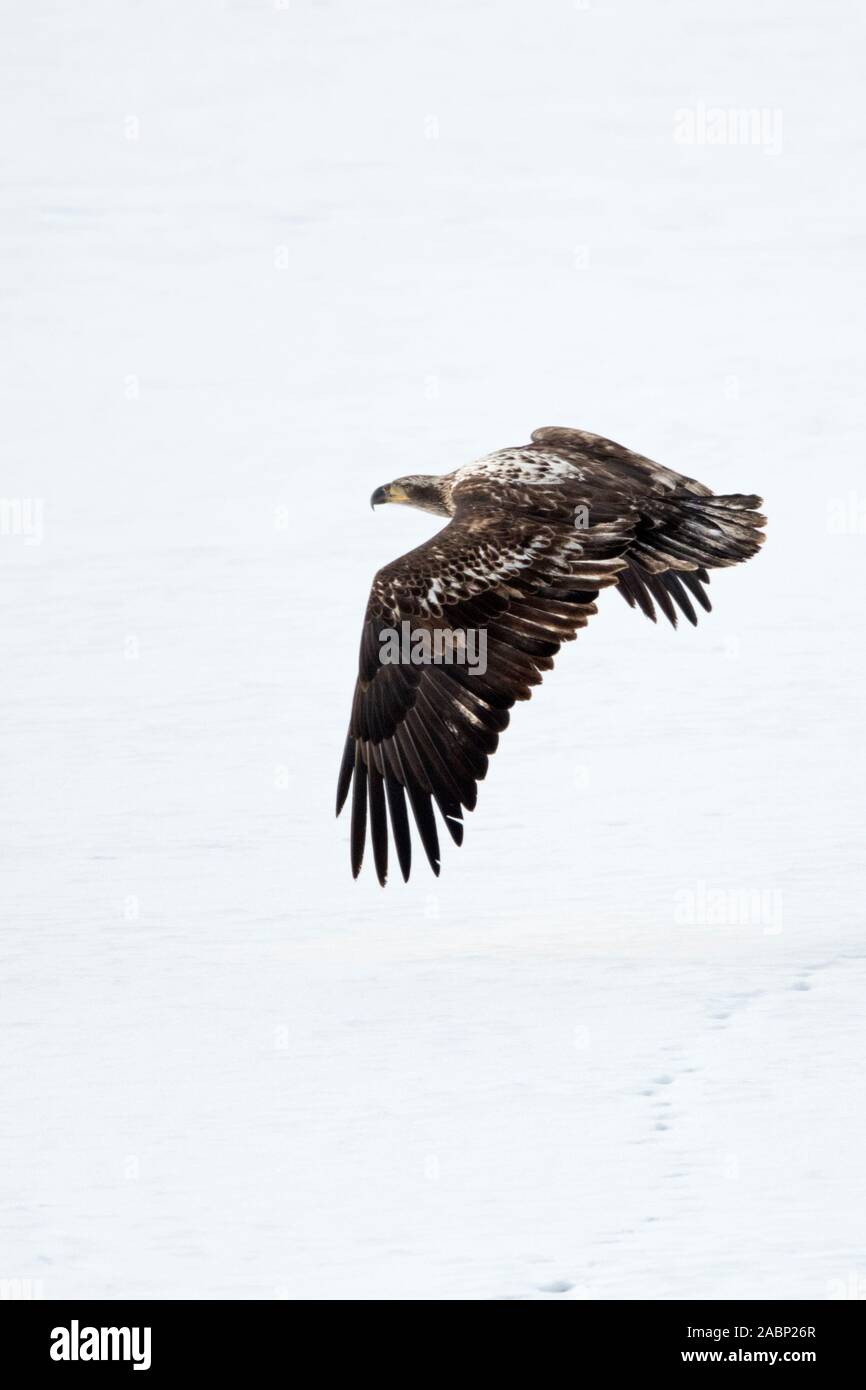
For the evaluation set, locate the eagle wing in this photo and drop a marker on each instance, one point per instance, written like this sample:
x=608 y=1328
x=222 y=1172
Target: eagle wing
x=510 y=567
x=612 y=463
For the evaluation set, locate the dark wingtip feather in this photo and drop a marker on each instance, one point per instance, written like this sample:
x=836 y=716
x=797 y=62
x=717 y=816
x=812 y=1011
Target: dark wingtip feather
x=656 y=585
x=455 y=829
x=634 y=590
x=378 y=824
x=359 y=813
x=694 y=582
x=674 y=587
x=347 y=767
x=422 y=808
x=400 y=825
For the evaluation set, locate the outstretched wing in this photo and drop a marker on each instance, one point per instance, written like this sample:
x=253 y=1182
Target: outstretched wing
x=613 y=464
x=423 y=733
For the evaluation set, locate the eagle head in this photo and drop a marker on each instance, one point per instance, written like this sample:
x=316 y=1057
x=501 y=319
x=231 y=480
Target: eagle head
x=429 y=493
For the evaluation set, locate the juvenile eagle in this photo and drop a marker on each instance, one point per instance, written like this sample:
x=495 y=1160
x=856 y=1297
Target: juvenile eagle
x=533 y=534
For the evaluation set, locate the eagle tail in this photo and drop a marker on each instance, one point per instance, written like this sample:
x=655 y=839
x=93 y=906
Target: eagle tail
x=722 y=530
x=686 y=536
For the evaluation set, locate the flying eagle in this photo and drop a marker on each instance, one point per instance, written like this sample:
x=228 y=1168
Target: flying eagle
x=533 y=534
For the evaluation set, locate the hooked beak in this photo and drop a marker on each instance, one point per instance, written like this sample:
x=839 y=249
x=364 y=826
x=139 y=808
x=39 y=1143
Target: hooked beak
x=379 y=496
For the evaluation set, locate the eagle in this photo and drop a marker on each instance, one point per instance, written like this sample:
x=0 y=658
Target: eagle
x=533 y=534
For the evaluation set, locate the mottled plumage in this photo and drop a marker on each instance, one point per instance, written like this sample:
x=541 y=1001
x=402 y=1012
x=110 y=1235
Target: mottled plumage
x=534 y=534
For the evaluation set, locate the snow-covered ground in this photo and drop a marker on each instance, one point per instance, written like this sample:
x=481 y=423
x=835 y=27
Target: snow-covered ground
x=255 y=260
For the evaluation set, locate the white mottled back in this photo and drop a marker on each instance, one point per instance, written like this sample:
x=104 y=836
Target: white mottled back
x=539 y=466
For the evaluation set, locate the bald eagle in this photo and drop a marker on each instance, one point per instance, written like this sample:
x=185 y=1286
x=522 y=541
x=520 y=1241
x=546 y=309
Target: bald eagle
x=533 y=534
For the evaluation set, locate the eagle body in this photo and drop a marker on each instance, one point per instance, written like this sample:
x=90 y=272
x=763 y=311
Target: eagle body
x=533 y=535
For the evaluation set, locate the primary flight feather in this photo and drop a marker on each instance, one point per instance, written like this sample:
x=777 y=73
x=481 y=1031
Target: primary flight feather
x=534 y=533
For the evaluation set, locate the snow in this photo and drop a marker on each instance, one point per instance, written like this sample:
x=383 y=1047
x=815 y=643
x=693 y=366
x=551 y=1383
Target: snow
x=257 y=260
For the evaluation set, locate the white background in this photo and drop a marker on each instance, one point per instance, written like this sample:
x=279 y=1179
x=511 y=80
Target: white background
x=257 y=260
